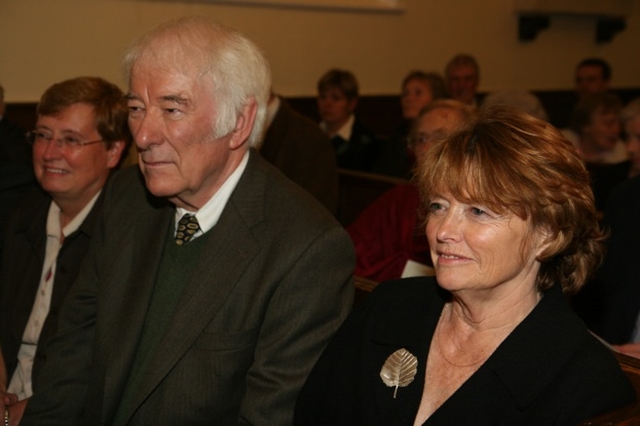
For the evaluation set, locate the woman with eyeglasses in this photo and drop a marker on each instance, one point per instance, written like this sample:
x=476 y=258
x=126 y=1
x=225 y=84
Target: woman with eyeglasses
x=388 y=235
x=80 y=135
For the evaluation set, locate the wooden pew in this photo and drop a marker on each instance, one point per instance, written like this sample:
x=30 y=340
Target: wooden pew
x=359 y=189
x=364 y=286
x=630 y=414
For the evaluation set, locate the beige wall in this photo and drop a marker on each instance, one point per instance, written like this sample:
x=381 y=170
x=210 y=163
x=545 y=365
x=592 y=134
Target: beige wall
x=45 y=41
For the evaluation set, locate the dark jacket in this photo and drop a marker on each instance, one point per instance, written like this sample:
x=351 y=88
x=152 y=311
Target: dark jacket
x=549 y=371
x=299 y=149
x=360 y=152
x=268 y=289
x=620 y=273
x=23 y=252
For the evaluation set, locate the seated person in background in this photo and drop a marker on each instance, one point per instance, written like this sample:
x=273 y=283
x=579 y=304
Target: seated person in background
x=462 y=75
x=490 y=340
x=630 y=117
x=295 y=145
x=619 y=276
x=388 y=235
x=355 y=146
x=526 y=101
x=419 y=89
x=598 y=301
x=16 y=170
x=81 y=132
x=596 y=123
x=593 y=75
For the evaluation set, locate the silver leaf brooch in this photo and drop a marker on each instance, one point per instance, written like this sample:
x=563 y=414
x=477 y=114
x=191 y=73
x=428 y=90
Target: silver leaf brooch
x=399 y=369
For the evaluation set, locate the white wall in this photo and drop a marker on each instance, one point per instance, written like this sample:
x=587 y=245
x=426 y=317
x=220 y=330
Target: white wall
x=45 y=41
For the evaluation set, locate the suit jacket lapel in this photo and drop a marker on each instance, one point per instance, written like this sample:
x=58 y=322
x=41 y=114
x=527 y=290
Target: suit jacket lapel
x=148 y=239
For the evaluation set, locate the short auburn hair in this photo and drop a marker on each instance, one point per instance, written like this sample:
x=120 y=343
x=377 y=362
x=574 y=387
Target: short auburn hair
x=510 y=161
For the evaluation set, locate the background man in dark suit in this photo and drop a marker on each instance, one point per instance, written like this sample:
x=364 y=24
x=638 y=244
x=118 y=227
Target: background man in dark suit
x=299 y=149
x=81 y=132
x=223 y=327
x=16 y=172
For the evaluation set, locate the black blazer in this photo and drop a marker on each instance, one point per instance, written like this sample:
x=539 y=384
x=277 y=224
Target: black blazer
x=549 y=370
x=23 y=252
x=360 y=152
x=620 y=273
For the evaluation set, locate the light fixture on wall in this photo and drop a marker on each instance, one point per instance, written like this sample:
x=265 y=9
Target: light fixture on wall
x=534 y=15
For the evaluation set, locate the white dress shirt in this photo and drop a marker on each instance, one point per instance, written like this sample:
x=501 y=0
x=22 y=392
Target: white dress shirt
x=209 y=214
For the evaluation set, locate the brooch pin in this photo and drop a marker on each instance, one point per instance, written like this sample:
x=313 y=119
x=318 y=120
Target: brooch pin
x=399 y=369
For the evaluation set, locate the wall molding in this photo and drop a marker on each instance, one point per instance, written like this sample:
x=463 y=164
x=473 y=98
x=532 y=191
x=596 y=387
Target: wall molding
x=383 y=6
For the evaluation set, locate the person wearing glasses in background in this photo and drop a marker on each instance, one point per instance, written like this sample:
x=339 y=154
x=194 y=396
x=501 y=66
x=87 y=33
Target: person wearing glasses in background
x=388 y=235
x=80 y=134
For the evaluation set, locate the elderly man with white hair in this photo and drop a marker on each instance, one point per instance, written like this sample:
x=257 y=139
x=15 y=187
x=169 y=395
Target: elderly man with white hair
x=214 y=283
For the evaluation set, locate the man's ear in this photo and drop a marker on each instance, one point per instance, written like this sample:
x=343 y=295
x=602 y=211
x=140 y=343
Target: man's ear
x=245 y=120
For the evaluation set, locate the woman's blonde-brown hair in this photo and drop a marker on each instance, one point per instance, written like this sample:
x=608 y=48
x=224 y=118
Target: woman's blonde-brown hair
x=108 y=102
x=509 y=161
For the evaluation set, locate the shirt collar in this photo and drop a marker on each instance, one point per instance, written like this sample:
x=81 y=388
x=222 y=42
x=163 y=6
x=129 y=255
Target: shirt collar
x=209 y=214
x=53 y=218
x=345 y=131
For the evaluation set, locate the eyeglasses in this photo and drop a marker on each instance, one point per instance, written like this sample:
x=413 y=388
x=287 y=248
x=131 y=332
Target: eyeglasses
x=422 y=138
x=69 y=142
x=417 y=139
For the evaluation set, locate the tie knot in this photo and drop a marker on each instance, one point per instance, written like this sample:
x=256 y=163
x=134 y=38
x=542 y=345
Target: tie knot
x=187 y=227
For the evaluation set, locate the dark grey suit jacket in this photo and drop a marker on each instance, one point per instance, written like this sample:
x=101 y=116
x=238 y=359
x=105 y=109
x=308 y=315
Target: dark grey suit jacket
x=299 y=149
x=254 y=315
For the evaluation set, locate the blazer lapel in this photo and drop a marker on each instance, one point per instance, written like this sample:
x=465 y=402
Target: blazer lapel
x=149 y=234
x=410 y=327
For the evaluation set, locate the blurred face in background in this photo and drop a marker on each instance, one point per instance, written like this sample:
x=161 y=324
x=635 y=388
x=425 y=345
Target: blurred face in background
x=334 y=107
x=632 y=130
x=590 y=79
x=432 y=126
x=603 y=132
x=416 y=94
x=463 y=83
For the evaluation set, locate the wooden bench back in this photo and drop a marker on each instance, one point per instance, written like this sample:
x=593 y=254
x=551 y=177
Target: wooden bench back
x=359 y=189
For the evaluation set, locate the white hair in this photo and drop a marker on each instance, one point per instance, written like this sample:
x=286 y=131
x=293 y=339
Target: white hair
x=236 y=66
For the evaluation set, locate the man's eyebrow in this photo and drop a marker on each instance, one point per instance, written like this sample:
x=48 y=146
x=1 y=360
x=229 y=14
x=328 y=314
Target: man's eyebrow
x=178 y=99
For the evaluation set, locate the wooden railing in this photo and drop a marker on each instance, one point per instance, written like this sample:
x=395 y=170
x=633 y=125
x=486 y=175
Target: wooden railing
x=628 y=415
x=359 y=189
